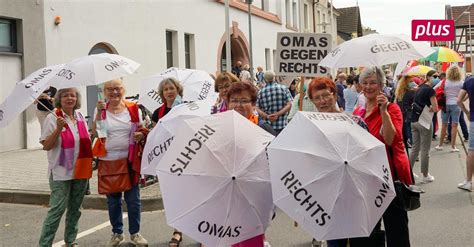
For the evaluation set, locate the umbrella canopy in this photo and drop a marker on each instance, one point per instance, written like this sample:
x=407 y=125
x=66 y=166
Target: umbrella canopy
x=93 y=70
x=215 y=181
x=444 y=54
x=333 y=178
x=25 y=92
x=417 y=70
x=162 y=135
x=375 y=50
x=197 y=85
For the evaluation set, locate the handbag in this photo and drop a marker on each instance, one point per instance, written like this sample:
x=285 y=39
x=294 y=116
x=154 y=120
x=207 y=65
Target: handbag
x=113 y=176
x=409 y=195
x=441 y=96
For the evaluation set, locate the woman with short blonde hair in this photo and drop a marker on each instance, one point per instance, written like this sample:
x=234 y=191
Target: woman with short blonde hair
x=452 y=87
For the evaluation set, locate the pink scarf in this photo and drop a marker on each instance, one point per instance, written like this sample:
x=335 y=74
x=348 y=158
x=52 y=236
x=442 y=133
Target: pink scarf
x=83 y=165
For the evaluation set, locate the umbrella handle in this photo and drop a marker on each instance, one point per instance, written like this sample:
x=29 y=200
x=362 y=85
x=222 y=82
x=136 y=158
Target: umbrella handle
x=39 y=102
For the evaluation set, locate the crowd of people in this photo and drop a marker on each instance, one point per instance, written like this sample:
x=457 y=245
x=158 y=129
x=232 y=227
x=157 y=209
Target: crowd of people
x=390 y=113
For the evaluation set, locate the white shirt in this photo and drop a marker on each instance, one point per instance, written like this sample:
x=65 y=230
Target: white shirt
x=59 y=173
x=118 y=134
x=451 y=90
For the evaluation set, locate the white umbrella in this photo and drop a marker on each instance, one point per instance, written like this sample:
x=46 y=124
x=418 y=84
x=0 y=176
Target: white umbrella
x=197 y=85
x=215 y=180
x=25 y=92
x=330 y=175
x=161 y=136
x=375 y=50
x=93 y=70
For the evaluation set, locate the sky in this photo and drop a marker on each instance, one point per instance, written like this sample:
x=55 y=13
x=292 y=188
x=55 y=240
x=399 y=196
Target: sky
x=394 y=16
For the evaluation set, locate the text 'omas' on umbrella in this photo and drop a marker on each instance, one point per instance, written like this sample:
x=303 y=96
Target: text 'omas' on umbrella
x=215 y=180
x=197 y=85
x=161 y=136
x=330 y=175
x=93 y=70
x=375 y=50
x=25 y=92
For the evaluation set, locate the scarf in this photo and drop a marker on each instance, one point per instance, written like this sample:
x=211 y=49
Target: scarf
x=99 y=146
x=83 y=166
x=253 y=118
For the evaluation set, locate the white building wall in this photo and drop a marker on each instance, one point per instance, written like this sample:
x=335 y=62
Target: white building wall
x=11 y=137
x=25 y=131
x=136 y=29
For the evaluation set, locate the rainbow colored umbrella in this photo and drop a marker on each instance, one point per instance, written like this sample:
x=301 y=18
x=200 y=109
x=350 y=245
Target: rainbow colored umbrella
x=417 y=70
x=444 y=54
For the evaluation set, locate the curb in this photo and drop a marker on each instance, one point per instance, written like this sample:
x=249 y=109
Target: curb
x=90 y=201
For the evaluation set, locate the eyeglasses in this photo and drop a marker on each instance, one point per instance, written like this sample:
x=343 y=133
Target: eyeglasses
x=324 y=97
x=222 y=87
x=240 y=101
x=435 y=76
x=113 y=89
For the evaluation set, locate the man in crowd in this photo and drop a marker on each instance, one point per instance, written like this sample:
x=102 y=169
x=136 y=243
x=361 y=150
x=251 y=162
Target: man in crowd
x=468 y=88
x=237 y=69
x=340 y=81
x=274 y=102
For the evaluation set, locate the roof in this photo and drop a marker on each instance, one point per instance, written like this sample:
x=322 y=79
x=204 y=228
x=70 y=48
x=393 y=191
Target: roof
x=349 y=21
x=455 y=12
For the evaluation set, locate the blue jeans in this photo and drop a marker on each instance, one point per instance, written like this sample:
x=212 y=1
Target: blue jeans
x=462 y=124
x=114 y=202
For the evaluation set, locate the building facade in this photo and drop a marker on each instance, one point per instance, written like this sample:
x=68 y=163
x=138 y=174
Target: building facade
x=463 y=42
x=157 y=34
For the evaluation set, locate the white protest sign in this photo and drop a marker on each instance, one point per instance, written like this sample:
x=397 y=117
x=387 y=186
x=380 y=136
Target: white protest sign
x=298 y=54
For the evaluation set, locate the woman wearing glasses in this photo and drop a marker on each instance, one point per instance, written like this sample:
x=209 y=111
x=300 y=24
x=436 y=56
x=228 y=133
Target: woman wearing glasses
x=322 y=92
x=115 y=149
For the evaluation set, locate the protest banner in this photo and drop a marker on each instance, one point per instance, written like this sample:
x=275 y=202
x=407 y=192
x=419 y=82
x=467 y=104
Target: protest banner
x=298 y=54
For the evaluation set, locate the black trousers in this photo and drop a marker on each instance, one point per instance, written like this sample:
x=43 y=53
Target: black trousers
x=395 y=220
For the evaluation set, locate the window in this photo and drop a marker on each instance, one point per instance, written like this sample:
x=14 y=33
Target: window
x=306 y=16
x=8 y=35
x=274 y=59
x=169 y=49
x=295 y=15
x=324 y=23
x=172 y=59
x=189 y=50
x=288 y=12
x=268 y=64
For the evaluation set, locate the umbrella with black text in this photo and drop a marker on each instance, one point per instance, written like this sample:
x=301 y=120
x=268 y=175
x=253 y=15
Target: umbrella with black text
x=197 y=85
x=93 y=70
x=25 y=92
x=375 y=50
x=161 y=136
x=330 y=175
x=215 y=180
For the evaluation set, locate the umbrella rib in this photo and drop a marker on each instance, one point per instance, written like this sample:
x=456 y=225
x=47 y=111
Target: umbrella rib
x=227 y=211
x=200 y=204
x=329 y=141
x=252 y=205
x=183 y=80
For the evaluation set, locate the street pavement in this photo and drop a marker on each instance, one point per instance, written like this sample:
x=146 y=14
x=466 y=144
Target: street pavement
x=23 y=179
x=446 y=217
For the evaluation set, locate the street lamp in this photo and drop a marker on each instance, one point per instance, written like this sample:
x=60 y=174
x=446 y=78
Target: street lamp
x=470 y=37
x=249 y=2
